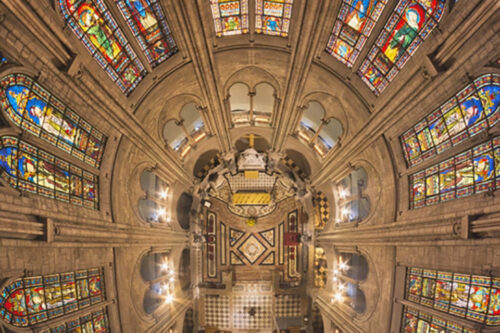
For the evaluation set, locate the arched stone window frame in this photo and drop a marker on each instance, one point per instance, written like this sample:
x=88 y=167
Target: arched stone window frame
x=252 y=77
x=369 y=286
x=311 y=136
x=191 y=139
x=147 y=290
x=161 y=199
x=344 y=199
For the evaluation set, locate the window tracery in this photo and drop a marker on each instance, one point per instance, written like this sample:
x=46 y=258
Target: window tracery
x=153 y=207
x=474 y=171
x=322 y=134
x=251 y=108
x=33 y=170
x=94 y=322
x=96 y=28
x=473 y=297
x=230 y=17
x=352 y=28
x=273 y=17
x=412 y=319
x=156 y=269
x=473 y=110
x=182 y=136
x=34 y=109
x=410 y=24
x=149 y=26
x=27 y=301
x=349 y=270
x=352 y=204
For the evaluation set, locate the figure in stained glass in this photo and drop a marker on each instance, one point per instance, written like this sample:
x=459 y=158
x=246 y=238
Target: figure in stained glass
x=460 y=294
x=16 y=304
x=405 y=30
x=359 y=12
x=479 y=298
x=352 y=28
x=473 y=110
x=35 y=300
x=94 y=25
x=27 y=167
x=145 y=18
x=273 y=16
x=454 y=121
x=494 y=308
x=490 y=98
x=484 y=167
x=405 y=33
x=33 y=109
x=18 y=97
x=415 y=285
x=8 y=157
x=443 y=289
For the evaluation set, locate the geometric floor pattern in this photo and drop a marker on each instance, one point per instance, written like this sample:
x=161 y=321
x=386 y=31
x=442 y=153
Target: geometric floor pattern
x=288 y=306
x=217 y=311
x=252 y=312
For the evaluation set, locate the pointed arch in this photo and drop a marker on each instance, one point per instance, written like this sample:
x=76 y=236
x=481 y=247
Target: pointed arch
x=34 y=170
x=149 y=26
x=96 y=28
x=34 y=109
x=409 y=25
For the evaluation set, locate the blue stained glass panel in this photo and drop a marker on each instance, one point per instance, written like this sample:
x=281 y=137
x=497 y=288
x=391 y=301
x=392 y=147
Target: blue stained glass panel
x=34 y=109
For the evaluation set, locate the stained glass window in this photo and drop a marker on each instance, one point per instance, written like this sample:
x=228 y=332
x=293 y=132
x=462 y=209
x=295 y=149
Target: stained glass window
x=3 y=60
x=31 y=300
x=415 y=321
x=272 y=17
x=147 y=21
x=34 y=109
x=94 y=322
x=409 y=25
x=473 y=171
x=469 y=112
x=94 y=25
x=474 y=297
x=34 y=170
x=352 y=28
x=230 y=17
